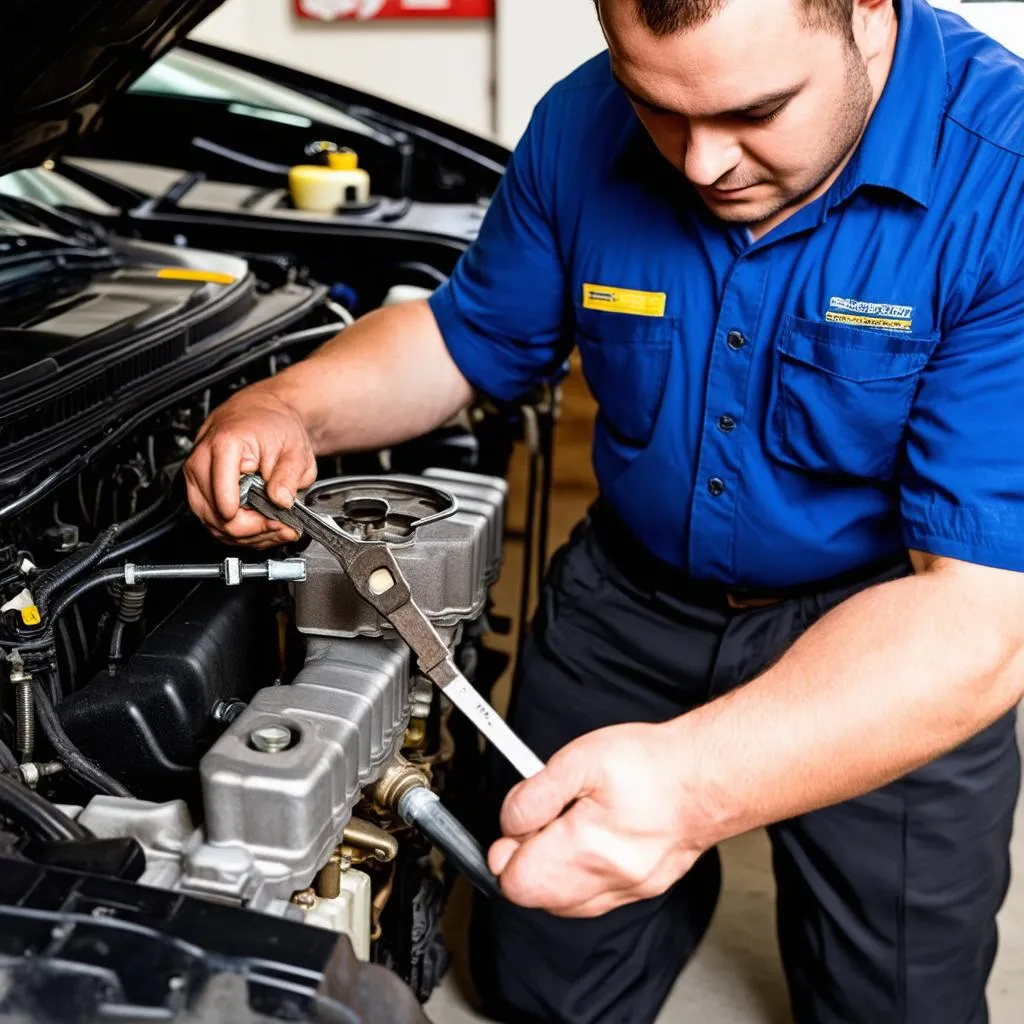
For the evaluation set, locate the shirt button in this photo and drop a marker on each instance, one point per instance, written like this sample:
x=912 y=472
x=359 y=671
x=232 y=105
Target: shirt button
x=716 y=487
x=726 y=424
x=735 y=340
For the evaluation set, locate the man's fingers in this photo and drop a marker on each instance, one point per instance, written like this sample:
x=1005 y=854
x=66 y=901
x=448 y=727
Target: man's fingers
x=285 y=477
x=309 y=477
x=225 y=474
x=246 y=527
x=198 y=503
x=545 y=871
x=247 y=524
x=535 y=803
x=270 y=539
x=501 y=853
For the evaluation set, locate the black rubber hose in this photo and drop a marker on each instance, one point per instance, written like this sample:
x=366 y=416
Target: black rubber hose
x=68 y=597
x=74 y=761
x=43 y=639
x=116 y=644
x=72 y=567
x=44 y=821
x=422 y=808
x=153 y=534
x=98 y=552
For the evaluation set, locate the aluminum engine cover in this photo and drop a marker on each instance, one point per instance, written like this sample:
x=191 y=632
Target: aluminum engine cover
x=448 y=562
x=272 y=819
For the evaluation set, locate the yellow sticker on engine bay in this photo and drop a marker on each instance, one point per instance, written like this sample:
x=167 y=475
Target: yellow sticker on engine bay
x=623 y=300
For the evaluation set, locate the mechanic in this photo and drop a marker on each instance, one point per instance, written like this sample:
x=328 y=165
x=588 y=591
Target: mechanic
x=787 y=238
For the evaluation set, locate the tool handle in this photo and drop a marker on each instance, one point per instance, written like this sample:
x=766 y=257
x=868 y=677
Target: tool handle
x=493 y=727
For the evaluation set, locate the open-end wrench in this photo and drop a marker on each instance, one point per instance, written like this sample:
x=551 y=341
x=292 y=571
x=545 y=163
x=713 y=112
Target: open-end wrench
x=378 y=580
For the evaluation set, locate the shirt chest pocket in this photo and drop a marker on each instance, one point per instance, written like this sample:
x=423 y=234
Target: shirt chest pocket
x=840 y=396
x=625 y=362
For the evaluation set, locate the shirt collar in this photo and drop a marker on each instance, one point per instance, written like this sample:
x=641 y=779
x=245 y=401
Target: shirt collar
x=899 y=148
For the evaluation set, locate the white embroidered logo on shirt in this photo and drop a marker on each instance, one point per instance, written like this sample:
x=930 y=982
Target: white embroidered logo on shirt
x=884 y=315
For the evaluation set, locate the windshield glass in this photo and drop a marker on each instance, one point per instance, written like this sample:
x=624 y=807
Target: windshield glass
x=53 y=189
x=191 y=76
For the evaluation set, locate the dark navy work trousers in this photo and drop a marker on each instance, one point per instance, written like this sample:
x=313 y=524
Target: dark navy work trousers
x=886 y=904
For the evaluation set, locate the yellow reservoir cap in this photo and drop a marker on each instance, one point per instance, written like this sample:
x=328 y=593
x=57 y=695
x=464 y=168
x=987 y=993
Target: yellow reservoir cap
x=30 y=615
x=344 y=160
x=203 y=276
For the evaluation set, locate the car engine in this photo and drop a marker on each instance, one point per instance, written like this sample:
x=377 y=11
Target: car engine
x=243 y=732
x=227 y=789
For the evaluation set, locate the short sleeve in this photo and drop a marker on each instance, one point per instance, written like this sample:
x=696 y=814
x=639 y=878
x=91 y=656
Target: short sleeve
x=502 y=312
x=962 y=491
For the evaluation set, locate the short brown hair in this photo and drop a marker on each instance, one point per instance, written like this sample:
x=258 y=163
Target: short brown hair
x=665 y=17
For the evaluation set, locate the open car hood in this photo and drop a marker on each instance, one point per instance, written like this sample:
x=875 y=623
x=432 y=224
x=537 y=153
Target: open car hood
x=61 y=61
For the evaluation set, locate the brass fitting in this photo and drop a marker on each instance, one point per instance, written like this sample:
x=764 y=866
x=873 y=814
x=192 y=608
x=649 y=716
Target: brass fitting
x=328 y=879
x=416 y=734
x=398 y=778
x=305 y=899
x=365 y=841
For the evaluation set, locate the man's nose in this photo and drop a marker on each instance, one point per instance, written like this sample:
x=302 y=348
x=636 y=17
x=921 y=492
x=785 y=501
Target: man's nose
x=710 y=154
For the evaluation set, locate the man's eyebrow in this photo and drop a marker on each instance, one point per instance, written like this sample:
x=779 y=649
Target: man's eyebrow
x=779 y=96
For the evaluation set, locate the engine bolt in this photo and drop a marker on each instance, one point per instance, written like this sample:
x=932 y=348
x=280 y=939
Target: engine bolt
x=305 y=899
x=226 y=711
x=271 y=739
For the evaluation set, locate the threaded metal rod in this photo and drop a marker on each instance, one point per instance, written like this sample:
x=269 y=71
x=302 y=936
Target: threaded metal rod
x=25 y=720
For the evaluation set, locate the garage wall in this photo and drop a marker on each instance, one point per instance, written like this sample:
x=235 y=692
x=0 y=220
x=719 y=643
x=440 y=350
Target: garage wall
x=537 y=43
x=485 y=77
x=441 y=67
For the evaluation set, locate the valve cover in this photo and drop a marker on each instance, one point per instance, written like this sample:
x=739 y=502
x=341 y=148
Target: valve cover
x=446 y=533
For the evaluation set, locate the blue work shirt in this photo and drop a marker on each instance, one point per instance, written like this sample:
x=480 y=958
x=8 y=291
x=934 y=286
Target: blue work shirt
x=777 y=412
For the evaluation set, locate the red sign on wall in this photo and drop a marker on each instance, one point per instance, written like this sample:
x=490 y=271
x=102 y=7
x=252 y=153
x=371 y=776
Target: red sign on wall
x=366 y=10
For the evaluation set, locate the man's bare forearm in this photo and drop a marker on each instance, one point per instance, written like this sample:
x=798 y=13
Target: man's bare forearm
x=892 y=679
x=386 y=379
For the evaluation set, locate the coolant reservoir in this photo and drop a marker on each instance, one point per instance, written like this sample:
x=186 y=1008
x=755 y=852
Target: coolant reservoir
x=320 y=189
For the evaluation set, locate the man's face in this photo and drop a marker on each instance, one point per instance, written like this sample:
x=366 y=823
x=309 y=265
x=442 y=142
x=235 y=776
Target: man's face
x=755 y=107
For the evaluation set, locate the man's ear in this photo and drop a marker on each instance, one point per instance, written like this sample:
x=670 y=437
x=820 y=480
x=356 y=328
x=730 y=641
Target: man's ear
x=872 y=25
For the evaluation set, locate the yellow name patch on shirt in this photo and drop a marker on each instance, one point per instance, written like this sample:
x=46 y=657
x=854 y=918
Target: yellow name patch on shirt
x=623 y=300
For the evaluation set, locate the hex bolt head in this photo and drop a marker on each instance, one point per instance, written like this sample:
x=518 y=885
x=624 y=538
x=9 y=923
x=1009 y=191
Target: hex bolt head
x=271 y=739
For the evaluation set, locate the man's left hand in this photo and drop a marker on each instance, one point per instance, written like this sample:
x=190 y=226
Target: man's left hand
x=611 y=820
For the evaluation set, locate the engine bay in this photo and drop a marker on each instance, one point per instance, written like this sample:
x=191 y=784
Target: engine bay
x=228 y=790
x=241 y=735
x=232 y=730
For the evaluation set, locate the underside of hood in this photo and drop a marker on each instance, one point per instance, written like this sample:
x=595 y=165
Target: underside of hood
x=62 y=60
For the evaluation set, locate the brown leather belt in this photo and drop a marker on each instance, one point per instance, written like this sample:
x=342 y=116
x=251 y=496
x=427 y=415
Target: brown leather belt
x=743 y=602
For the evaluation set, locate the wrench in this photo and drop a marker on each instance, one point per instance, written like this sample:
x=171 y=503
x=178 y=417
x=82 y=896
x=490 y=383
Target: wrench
x=378 y=580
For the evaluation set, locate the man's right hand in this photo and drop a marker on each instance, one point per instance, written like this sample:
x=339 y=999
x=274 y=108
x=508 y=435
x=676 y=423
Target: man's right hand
x=253 y=432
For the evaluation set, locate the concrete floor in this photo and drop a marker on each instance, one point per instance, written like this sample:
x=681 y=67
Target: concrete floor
x=736 y=976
